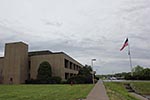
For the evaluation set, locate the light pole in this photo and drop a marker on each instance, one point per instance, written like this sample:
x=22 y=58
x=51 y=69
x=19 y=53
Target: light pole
x=93 y=69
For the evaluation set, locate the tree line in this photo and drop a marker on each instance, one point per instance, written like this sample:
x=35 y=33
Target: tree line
x=138 y=73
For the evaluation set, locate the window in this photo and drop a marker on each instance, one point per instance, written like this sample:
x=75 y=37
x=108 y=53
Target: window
x=66 y=76
x=77 y=67
x=74 y=66
x=66 y=63
x=71 y=75
x=70 y=65
x=29 y=66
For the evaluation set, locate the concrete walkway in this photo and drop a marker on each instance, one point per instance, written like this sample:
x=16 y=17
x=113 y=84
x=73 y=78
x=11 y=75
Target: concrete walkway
x=98 y=92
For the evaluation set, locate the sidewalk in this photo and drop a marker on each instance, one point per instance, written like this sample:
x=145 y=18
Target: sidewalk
x=98 y=92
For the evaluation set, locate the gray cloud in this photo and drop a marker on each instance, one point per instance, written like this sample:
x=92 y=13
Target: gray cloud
x=83 y=29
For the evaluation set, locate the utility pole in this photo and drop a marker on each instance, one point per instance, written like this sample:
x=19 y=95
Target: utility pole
x=93 y=69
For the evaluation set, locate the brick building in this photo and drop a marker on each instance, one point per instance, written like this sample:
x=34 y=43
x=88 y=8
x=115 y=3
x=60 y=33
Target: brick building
x=18 y=64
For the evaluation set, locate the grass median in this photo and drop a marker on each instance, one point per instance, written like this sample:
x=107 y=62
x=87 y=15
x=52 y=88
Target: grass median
x=141 y=87
x=44 y=92
x=117 y=91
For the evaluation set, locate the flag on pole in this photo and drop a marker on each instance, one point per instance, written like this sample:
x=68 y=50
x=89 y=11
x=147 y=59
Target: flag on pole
x=125 y=44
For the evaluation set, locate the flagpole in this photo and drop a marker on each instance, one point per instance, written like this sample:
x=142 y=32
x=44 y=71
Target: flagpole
x=129 y=53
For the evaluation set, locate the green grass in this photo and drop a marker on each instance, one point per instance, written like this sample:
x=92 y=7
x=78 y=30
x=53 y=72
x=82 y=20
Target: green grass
x=116 y=91
x=141 y=87
x=44 y=92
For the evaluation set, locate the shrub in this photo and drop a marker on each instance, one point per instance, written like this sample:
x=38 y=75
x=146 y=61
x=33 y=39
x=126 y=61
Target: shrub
x=32 y=81
x=55 y=80
x=77 y=79
x=64 y=82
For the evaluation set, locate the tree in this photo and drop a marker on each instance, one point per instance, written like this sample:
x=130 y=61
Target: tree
x=44 y=72
x=139 y=73
x=146 y=74
x=84 y=76
x=86 y=71
x=137 y=70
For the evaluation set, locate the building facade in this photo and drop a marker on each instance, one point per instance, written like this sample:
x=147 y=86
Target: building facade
x=19 y=65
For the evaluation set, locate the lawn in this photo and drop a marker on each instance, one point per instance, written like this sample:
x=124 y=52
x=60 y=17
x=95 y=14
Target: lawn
x=141 y=87
x=44 y=92
x=116 y=91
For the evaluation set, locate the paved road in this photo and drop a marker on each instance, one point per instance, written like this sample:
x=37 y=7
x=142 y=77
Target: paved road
x=98 y=92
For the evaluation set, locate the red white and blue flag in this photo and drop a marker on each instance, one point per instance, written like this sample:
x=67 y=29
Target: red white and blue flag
x=125 y=44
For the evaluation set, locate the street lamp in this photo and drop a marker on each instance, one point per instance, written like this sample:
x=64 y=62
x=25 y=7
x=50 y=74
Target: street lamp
x=92 y=60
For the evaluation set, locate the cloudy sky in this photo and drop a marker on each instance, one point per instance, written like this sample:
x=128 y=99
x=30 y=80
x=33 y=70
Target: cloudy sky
x=84 y=29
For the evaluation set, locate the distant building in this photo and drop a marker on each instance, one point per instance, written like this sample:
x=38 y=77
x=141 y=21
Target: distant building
x=19 y=65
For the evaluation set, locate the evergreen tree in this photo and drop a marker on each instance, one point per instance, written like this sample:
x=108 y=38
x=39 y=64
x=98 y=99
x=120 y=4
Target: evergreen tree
x=44 y=72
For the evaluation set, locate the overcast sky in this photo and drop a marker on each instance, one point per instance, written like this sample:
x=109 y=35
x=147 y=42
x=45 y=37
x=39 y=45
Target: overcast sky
x=84 y=29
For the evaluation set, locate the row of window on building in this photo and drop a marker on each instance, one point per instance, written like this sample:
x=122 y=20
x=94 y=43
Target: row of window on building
x=68 y=75
x=70 y=65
